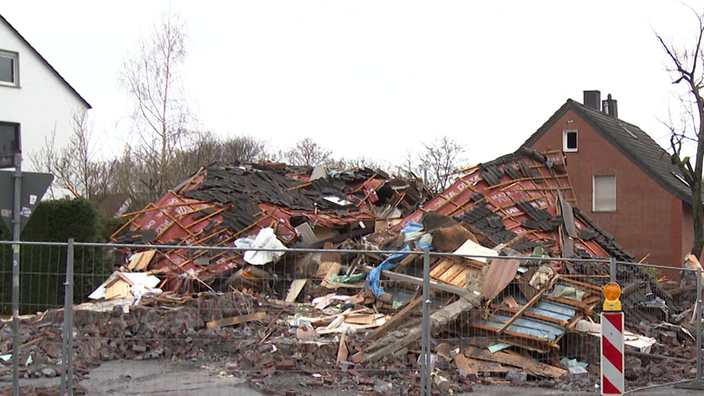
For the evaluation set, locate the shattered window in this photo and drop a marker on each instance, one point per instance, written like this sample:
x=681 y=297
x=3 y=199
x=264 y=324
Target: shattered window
x=8 y=68
x=569 y=142
x=604 y=193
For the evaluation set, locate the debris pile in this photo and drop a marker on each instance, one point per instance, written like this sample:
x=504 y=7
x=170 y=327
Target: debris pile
x=222 y=204
x=504 y=307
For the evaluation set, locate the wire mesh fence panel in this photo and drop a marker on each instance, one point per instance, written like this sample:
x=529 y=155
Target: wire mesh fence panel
x=530 y=319
x=661 y=328
x=166 y=319
x=42 y=274
x=42 y=277
x=305 y=321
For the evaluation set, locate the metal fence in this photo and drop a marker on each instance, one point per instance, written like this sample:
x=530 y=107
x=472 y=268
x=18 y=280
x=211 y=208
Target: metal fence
x=310 y=319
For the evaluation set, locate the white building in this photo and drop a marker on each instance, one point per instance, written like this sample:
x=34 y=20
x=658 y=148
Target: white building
x=34 y=98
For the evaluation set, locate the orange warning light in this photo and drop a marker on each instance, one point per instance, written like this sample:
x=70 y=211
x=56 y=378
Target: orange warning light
x=612 y=292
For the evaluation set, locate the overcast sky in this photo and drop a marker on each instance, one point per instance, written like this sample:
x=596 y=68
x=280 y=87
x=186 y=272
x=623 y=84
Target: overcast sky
x=375 y=78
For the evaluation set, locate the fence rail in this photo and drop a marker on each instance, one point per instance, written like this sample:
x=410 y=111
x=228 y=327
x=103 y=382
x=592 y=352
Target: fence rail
x=384 y=320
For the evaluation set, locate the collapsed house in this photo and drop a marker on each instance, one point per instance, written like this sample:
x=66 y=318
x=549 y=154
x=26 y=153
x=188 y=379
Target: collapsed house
x=502 y=300
x=222 y=203
x=502 y=222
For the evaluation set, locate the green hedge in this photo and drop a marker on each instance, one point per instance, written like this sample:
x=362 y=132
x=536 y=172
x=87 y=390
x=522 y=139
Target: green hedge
x=43 y=268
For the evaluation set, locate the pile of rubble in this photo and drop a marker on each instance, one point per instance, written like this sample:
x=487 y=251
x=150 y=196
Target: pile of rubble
x=504 y=308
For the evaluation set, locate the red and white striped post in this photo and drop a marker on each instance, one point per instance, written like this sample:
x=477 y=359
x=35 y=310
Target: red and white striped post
x=612 y=356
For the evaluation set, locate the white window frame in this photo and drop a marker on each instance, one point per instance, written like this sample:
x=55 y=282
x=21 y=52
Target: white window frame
x=15 y=57
x=565 y=133
x=599 y=205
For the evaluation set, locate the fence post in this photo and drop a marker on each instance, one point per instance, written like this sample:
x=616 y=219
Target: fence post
x=698 y=307
x=425 y=377
x=67 y=352
x=612 y=270
x=16 y=229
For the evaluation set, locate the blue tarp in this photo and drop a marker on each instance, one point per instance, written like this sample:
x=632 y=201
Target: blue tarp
x=392 y=261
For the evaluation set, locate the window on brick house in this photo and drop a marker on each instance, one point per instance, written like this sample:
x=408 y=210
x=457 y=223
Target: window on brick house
x=604 y=193
x=569 y=141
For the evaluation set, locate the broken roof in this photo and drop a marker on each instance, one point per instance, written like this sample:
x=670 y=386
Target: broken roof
x=222 y=202
x=521 y=200
x=632 y=141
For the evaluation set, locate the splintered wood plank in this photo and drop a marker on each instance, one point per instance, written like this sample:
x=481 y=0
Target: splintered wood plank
x=528 y=364
x=573 y=303
x=461 y=279
x=501 y=272
x=530 y=342
x=440 y=268
x=396 y=319
x=583 y=285
x=343 y=351
x=236 y=320
x=295 y=289
x=451 y=273
x=465 y=365
x=444 y=350
x=510 y=301
x=362 y=319
x=489 y=367
x=438 y=320
x=141 y=261
x=457 y=279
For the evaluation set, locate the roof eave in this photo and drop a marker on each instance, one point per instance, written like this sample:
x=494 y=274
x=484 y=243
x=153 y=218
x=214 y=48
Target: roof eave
x=549 y=123
x=73 y=90
x=664 y=184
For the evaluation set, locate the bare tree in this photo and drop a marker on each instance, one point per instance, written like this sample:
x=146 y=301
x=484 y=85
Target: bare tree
x=441 y=158
x=208 y=149
x=307 y=152
x=687 y=70
x=74 y=165
x=359 y=162
x=81 y=145
x=244 y=149
x=151 y=78
x=408 y=166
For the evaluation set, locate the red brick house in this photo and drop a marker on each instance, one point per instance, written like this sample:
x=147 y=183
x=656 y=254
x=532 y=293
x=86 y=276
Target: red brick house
x=623 y=180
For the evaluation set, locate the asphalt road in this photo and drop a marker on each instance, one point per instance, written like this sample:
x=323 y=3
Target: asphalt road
x=136 y=378
x=123 y=378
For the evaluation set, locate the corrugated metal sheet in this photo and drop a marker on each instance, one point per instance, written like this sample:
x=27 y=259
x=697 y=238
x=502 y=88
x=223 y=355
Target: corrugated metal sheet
x=531 y=327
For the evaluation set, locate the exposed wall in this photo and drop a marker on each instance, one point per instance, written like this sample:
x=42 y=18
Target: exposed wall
x=41 y=104
x=648 y=219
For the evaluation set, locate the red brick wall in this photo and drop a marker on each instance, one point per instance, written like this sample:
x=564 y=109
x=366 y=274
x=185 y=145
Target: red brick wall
x=687 y=232
x=648 y=219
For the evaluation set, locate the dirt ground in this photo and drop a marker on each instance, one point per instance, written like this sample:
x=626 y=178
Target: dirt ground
x=137 y=378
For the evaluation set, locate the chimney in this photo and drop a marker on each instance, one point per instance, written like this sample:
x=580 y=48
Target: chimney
x=592 y=99
x=610 y=107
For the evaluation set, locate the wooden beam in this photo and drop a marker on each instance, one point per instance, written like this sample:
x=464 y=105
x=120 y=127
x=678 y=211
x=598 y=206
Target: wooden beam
x=295 y=289
x=419 y=281
x=529 y=364
x=438 y=319
x=236 y=320
x=529 y=304
x=396 y=319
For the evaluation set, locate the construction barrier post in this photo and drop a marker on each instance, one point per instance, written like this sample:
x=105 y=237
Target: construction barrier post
x=612 y=359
